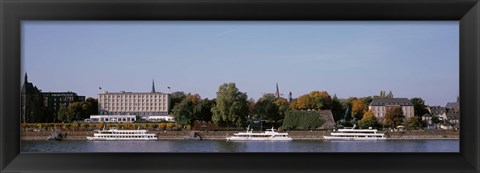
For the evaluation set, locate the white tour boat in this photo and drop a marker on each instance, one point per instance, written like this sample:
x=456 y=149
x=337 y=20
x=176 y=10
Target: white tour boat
x=269 y=135
x=356 y=134
x=114 y=134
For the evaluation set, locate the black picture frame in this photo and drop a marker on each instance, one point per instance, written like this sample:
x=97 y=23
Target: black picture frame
x=14 y=11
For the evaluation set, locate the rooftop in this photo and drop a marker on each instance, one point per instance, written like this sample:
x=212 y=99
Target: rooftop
x=124 y=92
x=452 y=105
x=436 y=110
x=391 y=101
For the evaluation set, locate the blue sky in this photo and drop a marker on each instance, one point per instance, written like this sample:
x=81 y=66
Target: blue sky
x=347 y=58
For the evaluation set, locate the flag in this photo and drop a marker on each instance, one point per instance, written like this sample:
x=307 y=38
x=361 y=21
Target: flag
x=168 y=87
x=99 y=88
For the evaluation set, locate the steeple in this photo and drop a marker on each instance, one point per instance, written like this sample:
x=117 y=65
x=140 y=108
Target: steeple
x=25 y=80
x=153 y=85
x=289 y=97
x=278 y=92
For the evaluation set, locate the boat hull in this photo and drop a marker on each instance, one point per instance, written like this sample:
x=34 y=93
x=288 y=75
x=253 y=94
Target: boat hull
x=121 y=139
x=354 y=138
x=257 y=139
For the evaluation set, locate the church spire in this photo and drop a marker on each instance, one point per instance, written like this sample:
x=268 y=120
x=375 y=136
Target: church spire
x=153 y=85
x=289 y=97
x=25 y=80
x=278 y=92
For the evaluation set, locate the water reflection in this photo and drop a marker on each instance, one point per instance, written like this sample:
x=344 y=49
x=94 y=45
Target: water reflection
x=237 y=146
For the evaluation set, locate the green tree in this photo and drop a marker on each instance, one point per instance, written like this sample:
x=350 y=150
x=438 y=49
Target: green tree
x=367 y=100
x=77 y=111
x=192 y=108
x=93 y=106
x=63 y=114
x=295 y=119
x=251 y=106
x=337 y=109
x=283 y=106
x=419 y=106
x=175 y=98
x=202 y=110
x=368 y=120
x=414 y=122
x=266 y=109
x=184 y=111
x=231 y=106
x=394 y=117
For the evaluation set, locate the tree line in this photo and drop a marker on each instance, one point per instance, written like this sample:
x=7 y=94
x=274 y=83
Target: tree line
x=77 y=111
x=231 y=107
x=34 y=110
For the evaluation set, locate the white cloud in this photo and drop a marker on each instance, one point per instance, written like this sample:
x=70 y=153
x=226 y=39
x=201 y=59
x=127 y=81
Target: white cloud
x=226 y=32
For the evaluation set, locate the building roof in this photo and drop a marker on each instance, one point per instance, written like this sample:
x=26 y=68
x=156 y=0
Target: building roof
x=123 y=92
x=453 y=115
x=112 y=116
x=452 y=105
x=28 y=87
x=426 y=115
x=391 y=101
x=66 y=93
x=437 y=110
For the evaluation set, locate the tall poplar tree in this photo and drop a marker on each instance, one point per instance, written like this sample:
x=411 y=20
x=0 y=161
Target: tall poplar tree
x=231 y=106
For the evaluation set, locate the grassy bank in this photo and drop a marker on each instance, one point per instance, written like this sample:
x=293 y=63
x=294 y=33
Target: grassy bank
x=424 y=134
x=220 y=135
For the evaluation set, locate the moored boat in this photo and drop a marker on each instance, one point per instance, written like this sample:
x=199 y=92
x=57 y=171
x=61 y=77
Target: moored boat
x=269 y=135
x=356 y=134
x=114 y=134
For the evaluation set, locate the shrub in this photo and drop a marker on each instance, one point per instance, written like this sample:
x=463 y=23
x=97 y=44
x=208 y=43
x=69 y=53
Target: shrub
x=162 y=126
x=128 y=125
x=99 y=125
x=414 y=123
x=170 y=125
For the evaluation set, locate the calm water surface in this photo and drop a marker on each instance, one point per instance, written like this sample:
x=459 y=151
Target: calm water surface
x=228 y=146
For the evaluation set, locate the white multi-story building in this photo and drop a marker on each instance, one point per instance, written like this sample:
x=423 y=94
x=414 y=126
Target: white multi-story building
x=379 y=106
x=134 y=103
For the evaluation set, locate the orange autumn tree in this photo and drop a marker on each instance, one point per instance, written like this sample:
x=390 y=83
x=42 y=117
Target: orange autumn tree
x=368 y=120
x=358 y=108
x=195 y=98
x=314 y=100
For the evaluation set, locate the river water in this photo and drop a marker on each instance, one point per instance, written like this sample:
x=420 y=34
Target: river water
x=228 y=146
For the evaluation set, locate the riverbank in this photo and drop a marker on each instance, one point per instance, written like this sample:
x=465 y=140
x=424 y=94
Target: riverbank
x=221 y=135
